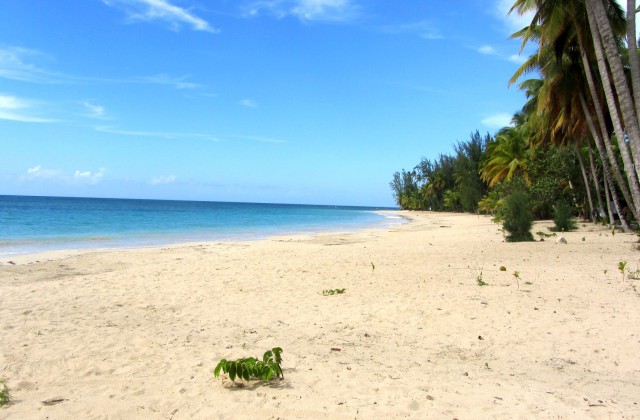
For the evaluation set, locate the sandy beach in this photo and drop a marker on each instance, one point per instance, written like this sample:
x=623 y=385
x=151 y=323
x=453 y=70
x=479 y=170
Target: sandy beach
x=137 y=333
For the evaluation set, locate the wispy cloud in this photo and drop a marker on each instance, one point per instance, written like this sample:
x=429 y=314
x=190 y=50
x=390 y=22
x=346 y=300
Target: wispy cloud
x=15 y=65
x=487 y=50
x=258 y=139
x=492 y=51
x=497 y=121
x=307 y=10
x=89 y=177
x=93 y=110
x=16 y=109
x=186 y=136
x=157 y=134
x=512 y=21
x=517 y=58
x=162 y=10
x=249 y=103
x=38 y=173
x=423 y=29
x=164 y=79
x=163 y=179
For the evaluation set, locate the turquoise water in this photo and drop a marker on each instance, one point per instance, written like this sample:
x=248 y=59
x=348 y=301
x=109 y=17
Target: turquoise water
x=36 y=224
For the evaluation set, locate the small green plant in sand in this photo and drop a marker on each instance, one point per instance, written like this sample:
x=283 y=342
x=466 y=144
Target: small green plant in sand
x=249 y=368
x=516 y=275
x=373 y=267
x=4 y=393
x=542 y=234
x=480 y=281
x=622 y=266
x=331 y=292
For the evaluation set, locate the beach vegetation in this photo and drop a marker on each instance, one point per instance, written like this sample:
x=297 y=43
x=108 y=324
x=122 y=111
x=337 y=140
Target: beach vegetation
x=517 y=217
x=481 y=281
x=575 y=143
x=5 y=396
x=331 y=292
x=252 y=368
x=622 y=266
x=562 y=219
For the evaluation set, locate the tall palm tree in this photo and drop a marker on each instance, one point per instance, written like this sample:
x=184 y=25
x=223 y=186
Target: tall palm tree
x=506 y=156
x=557 y=26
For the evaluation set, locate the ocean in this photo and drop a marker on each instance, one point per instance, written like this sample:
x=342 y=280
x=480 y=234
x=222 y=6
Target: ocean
x=38 y=224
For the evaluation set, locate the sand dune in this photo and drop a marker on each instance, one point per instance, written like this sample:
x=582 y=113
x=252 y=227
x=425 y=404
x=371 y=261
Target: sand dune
x=137 y=333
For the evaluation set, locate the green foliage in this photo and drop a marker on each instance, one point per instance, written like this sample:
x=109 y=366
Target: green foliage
x=517 y=217
x=480 y=281
x=330 y=292
x=4 y=394
x=490 y=203
x=253 y=368
x=449 y=183
x=542 y=234
x=622 y=265
x=507 y=156
x=516 y=275
x=562 y=218
x=555 y=176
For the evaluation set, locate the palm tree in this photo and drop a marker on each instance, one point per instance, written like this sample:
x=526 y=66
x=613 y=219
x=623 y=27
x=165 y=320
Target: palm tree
x=561 y=29
x=506 y=156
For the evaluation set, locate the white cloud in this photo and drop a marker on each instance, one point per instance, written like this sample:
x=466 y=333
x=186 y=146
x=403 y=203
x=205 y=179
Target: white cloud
x=487 y=50
x=307 y=10
x=38 y=173
x=14 y=65
x=42 y=173
x=517 y=58
x=164 y=79
x=93 y=110
x=249 y=103
x=497 y=121
x=188 y=136
x=88 y=176
x=160 y=180
x=513 y=21
x=423 y=29
x=157 y=134
x=150 y=10
x=16 y=109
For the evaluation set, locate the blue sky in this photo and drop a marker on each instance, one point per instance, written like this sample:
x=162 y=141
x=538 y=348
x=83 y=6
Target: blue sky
x=290 y=101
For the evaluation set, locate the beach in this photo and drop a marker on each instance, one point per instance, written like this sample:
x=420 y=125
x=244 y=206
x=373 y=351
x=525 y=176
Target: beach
x=137 y=333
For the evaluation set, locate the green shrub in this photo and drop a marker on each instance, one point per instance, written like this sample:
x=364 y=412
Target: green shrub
x=517 y=218
x=249 y=368
x=562 y=217
x=4 y=394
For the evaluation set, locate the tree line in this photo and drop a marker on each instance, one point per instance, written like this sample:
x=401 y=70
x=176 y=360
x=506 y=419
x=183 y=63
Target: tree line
x=576 y=140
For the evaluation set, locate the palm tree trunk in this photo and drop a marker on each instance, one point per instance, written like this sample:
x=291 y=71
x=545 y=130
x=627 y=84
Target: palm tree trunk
x=607 y=195
x=632 y=44
x=605 y=162
x=604 y=40
x=585 y=179
x=630 y=188
x=596 y=181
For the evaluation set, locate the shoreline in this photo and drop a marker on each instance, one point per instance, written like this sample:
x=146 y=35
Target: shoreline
x=137 y=333
x=57 y=254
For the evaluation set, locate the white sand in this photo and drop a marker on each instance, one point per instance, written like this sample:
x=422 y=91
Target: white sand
x=136 y=334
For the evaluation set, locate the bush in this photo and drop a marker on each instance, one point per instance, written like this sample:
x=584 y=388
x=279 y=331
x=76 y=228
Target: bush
x=517 y=217
x=562 y=217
